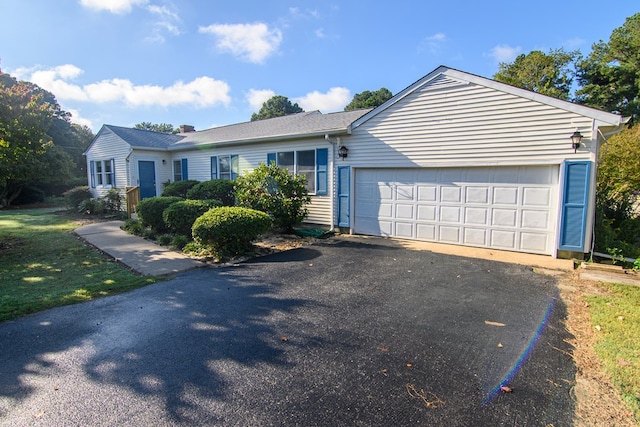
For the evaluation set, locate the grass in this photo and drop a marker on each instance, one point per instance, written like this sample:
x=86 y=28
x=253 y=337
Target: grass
x=617 y=316
x=43 y=265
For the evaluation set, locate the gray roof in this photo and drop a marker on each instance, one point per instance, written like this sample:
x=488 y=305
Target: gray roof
x=290 y=126
x=144 y=138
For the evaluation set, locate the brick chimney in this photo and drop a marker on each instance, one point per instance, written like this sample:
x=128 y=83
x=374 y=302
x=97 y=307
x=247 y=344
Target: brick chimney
x=187 y=129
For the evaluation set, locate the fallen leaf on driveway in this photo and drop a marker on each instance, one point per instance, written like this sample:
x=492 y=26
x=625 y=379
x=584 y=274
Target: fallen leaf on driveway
x=490 y=323
x=432 y=401
x=500 y=345
x=385 y=349
x=506 y=389
x=284 y=339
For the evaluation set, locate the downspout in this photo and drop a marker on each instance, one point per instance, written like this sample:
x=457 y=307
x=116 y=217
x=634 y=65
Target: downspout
x=333 y=143
x=128 y=167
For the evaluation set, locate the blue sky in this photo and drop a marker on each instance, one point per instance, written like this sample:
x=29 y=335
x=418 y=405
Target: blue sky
x=209 y=63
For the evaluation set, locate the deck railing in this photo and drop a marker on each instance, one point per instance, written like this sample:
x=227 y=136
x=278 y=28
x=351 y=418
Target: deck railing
x=132 y=198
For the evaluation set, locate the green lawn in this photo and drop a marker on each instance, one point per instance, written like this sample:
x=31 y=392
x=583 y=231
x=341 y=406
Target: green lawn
x=43 y=265
x=617 y=316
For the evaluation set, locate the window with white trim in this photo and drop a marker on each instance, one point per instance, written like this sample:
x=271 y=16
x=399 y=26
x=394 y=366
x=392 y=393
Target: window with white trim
x=225 y=167
x=312 y=164
x=103 y=173
x=180 y=170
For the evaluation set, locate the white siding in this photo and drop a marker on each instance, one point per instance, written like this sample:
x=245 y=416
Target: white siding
x=250 y=156
x=110 y=146
x=464 y=123
x=164 y=172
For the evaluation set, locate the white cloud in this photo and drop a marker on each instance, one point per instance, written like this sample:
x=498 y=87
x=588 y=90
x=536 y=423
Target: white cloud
x=250 y=42
x=320 y=33
x=505 y=53
x=113 y=6
x=200 y=92
x=257 y=97
x=433 y=43
x=334 y=100
x=168 y=22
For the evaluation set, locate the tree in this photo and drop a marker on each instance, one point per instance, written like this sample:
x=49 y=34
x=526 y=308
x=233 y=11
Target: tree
x=39 y=148
x=368 y=99
x=276 y=106
x=157 y=127
x=548 y=74
x=610 y=75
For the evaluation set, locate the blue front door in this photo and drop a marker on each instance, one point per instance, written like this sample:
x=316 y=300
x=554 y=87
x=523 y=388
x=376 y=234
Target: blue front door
x=147 y=173
x=574 y=206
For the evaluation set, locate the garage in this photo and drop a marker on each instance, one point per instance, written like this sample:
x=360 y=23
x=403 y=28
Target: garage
x=504 y=207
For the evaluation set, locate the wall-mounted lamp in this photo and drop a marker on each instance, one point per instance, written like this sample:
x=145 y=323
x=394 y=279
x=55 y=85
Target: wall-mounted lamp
x=164 y=162
x=576 y=140
x=342 y=152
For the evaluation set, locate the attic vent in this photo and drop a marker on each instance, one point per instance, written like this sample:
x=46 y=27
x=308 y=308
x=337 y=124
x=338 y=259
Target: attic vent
x=187 y=129
x=443 y=82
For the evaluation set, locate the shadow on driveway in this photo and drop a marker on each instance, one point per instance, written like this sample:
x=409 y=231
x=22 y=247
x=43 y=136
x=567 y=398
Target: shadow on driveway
x=357 y=332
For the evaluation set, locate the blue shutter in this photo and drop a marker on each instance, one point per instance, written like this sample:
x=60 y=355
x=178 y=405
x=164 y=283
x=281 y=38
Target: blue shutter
x=271 y=157
x=574 y=206
x=214 y=167
x=92 y=173
x=185 y=172
x=322 y=175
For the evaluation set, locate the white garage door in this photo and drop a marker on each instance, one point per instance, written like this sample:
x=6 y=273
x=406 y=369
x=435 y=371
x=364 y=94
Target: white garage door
x=511 y=208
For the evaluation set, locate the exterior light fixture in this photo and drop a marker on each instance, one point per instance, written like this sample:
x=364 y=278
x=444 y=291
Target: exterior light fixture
x=576 y=140
x=342 y=152
x=164 y=162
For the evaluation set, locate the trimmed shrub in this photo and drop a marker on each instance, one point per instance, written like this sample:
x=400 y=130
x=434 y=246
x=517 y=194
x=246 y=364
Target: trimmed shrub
x=180 y=241
x=180 y=216
x=76 y=195
x=150 y=211
x=229 y=230
x=215 y=189
x=91 y=207
x=274 y=190
x=179 y=188
x=133 y=226
x=113 y=200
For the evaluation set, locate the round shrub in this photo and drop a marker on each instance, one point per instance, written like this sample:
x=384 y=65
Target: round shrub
x=180 y=216
x=284 y=196
x=215 y=189
x=77 y=195
x=91 y=207
x=150 y=211
x=229 y=230
x=179 y=188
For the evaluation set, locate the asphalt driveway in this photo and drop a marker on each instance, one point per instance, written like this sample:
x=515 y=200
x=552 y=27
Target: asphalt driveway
x=348 y=332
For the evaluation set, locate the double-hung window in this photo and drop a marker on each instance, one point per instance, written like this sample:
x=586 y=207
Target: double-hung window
x=312 y=164
x=103 y=173
x=225 y=167
x=180 y=172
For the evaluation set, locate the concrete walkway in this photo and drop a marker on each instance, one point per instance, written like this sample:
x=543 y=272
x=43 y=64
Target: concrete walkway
x=143 y=256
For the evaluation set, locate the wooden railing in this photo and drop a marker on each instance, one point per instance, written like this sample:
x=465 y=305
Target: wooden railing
x=132 y=198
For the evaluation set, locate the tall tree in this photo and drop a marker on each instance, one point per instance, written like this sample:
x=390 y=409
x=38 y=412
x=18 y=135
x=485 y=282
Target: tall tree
x=548 y=74
x=276 y=106
x=368 y=99
x=157 y=127
x=610 y=75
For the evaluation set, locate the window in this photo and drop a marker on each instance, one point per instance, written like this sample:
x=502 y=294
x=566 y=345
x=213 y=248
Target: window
x=312 y=164
x=225 y=167
x=103 y=173
x=180 y=170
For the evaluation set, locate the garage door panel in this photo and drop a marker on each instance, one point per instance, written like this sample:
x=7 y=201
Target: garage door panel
x=504 y=217
x=426 y=232
x=475 y=215
x=426 y=213
x=450 y=194
x=505 y=196
x=536 y=196
x=535 y=219
x=511 y=208
x=404 y=230
x=427 y=193
x=475 y=236
x=450 y=213
x=404 y=211
x=477 y=195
